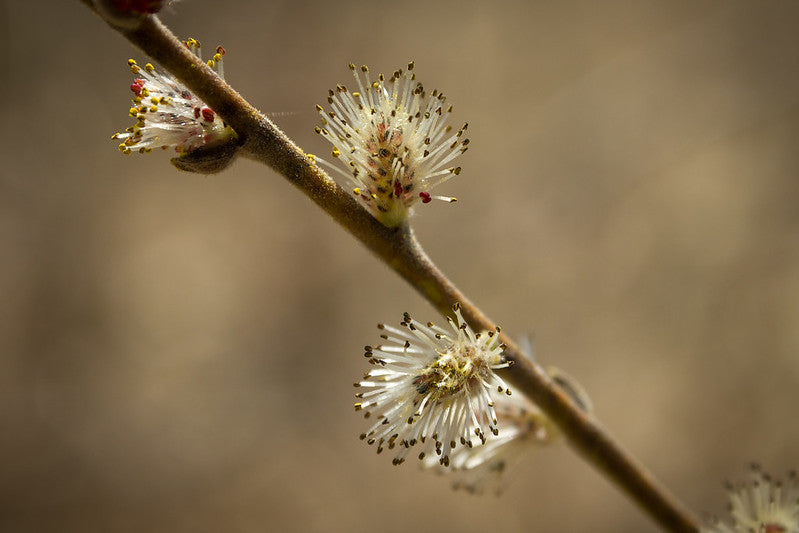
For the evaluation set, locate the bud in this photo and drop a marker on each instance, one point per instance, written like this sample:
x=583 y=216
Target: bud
x=127 y=13
x=208 y=159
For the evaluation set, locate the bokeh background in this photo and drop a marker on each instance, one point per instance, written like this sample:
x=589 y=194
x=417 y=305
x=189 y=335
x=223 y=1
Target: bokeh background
x=177 y=352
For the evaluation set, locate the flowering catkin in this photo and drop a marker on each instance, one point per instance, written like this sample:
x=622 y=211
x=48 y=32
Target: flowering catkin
x=392 y=138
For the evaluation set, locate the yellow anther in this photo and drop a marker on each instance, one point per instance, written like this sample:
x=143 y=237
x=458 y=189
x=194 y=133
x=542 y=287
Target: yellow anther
x=217 y=57
x=357 y=191
x=153 y=109
x=133 y=111
x=335 y=152
x=149 y=67
x=154 y=100
x=211 y=63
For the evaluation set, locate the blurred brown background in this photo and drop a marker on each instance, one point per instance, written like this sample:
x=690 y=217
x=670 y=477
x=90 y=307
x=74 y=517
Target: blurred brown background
x=177 y=351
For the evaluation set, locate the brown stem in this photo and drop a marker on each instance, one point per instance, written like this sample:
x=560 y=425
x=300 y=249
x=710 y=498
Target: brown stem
x=398 y=247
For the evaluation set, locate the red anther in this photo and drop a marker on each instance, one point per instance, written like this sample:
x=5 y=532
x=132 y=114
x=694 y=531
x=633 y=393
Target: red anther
x=208 y=114
x=425 y=196
x=136 y=88
x=220 y=50
x=196 y=112
x=397 y=189
x=381 y=132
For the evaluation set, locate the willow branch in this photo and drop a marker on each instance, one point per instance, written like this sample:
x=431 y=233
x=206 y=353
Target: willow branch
x=263 y=141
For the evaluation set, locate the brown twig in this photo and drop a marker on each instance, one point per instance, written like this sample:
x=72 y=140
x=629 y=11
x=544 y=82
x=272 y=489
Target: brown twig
x=263 y=141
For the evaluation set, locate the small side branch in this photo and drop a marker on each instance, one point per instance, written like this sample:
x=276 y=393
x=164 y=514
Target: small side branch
x=399 y=249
